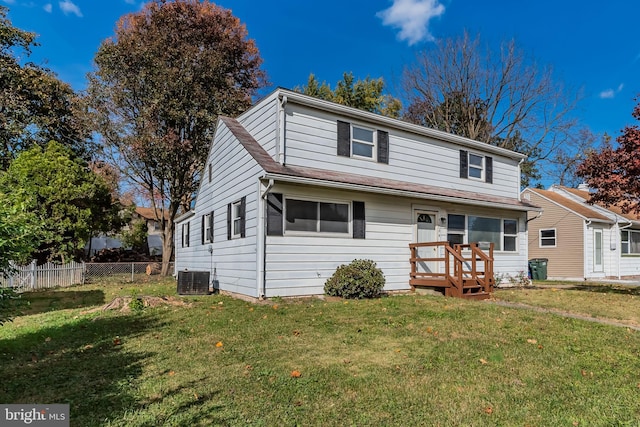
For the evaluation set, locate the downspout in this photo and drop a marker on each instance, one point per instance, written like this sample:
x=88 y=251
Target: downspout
x=281 y=143
x=619 y=240
x=519 y=179
x=585 y=238
x=262 y=285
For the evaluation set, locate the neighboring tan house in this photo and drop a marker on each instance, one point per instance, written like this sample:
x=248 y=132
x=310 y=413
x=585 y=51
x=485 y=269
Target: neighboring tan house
x=296 y=186
x=154 y=228
x=580 y=240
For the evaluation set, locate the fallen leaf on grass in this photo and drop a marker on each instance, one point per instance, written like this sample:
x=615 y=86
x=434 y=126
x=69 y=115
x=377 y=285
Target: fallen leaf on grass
x=532 y=341
x=172 y=373
x=483 y=361
x=117 y=341
x=488 y=410
x=296 y=333
x=296 y=374
x=87 y=347
x=275 y=306
x=219 y=344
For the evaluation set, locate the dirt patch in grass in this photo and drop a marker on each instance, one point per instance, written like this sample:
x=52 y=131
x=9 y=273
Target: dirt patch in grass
x=124 y=304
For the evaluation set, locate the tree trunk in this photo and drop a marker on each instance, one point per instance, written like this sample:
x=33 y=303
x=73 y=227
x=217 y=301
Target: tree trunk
x=167 y=246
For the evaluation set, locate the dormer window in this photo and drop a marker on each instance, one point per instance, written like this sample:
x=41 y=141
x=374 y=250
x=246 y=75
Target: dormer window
x=362 y=142
x=476 y=167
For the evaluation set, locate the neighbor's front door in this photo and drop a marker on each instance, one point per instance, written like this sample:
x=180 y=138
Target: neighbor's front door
x=425 y=231
x=598 y=252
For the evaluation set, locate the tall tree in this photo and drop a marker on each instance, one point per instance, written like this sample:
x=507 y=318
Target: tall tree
x=367 y=94
x=57 y=192
x=502 y=98
x=160 y=84
x=615 y=172
x=35 y=107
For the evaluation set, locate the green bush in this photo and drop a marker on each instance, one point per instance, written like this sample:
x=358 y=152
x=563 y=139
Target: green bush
x=10 y=305
x=360 y=279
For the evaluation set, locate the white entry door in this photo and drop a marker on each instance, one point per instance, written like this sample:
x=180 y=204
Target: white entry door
x=425 y=231
x=597 y=251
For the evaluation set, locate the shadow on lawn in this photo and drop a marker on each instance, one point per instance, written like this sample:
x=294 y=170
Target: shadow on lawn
x=77 y=363
x=608 y=289
x=51 y=300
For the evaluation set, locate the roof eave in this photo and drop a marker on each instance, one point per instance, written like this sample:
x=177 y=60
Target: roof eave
x=394 y=192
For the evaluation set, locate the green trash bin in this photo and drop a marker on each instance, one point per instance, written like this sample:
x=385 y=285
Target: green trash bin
x=538 y=268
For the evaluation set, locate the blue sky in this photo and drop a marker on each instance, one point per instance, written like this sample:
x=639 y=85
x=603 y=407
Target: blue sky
x=590 y=45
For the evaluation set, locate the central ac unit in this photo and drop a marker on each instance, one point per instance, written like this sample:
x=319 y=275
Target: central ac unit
x=193 y=282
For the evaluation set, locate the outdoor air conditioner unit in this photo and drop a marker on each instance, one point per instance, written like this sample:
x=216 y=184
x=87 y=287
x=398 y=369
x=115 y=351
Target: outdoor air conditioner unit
x=193 y=282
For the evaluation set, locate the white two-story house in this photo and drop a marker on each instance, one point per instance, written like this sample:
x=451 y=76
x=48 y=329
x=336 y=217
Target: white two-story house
x=296 y=186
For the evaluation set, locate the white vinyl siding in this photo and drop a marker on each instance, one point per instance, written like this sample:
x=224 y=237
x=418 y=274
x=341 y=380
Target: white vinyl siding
x=311 y=141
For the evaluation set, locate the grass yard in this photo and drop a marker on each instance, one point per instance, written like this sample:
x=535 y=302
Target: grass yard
x=401 y=360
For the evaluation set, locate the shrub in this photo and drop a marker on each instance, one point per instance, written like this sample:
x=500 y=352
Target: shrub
x=359 y=279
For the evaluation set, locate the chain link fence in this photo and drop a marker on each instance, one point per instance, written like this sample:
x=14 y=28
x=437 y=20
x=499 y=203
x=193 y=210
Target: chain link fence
x=123 y=271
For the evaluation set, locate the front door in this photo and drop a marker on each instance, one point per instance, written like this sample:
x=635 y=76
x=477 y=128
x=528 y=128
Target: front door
x=597 y=250
x=425 y=226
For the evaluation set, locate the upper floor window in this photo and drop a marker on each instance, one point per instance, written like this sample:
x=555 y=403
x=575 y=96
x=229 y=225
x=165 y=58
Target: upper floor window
x=548 y=238
x=476 y=166
x=363 y=142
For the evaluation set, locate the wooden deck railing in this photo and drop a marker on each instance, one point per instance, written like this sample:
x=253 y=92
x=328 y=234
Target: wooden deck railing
x=459 y=269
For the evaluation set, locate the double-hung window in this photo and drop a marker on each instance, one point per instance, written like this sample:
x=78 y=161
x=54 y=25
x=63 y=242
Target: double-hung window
x=363 y=142
x=207 y=223
x=316 y=217
x=476 y=166
x=456 y=229
x=236 y=219
x=510 y=235
x=630 y=242
x=548 y=238
x=185 y=235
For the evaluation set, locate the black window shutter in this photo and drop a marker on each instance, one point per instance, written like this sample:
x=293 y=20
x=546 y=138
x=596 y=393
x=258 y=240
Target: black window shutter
x=488 y=173
x=182 y=244
x=344 y=139
x=229 y=221
x=202 y=230
x=274 y=214
x=464 y=164
x=243 y=210
x=188 y=235
x=359 y=229
x=211 y=226
x=383 y=147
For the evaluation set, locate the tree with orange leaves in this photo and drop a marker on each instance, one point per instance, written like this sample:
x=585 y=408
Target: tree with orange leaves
x=160 y=84
x=615 y=172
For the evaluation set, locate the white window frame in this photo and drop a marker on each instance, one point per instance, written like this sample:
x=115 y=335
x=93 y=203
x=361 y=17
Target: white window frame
x=465 y=233
x=374 y=144
x=236 y=218
x=482 y=167
x=505 y=235
x=555 y=238
x=627 y=242
x=207 y=223
x=348 y=233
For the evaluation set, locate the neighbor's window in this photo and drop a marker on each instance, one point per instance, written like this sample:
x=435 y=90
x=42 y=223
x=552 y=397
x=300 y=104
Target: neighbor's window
x=476 y=166
x=236 y=219
x=630 y=242
x=456 y=229
x=316 y=217
x=548 y=238
x=362 y=142
x=510 y=232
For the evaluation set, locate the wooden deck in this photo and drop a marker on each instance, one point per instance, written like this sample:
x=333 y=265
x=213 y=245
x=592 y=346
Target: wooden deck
x=463 y=271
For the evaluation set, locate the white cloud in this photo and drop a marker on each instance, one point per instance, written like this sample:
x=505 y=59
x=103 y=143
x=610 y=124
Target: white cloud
x=412 y=18
x=611 y=93
x=67 y=7
x=48 y=8
x=9 y=1
x=607 y=94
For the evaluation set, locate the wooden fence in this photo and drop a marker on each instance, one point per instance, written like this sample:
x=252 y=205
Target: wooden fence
x=49 y=275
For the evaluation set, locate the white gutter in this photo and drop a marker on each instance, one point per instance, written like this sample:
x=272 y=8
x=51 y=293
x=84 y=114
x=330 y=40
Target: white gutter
x=392 y=192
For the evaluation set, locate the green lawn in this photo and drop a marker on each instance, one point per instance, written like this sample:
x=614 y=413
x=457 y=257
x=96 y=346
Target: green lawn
x=401 y=360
